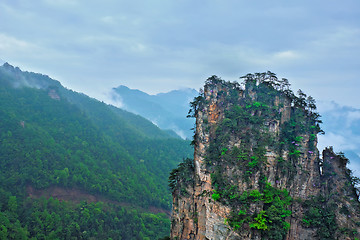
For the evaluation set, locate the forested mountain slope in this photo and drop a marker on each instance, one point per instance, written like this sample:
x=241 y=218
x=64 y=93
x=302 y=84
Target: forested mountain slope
x=53 y=137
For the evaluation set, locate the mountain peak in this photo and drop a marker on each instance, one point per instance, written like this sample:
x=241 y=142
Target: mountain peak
x=18 y=78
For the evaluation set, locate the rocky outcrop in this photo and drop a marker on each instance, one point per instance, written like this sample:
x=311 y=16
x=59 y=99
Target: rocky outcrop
x=256 y=172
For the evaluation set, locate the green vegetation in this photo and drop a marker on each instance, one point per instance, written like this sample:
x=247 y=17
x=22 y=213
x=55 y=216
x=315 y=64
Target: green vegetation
x=53 y=219
x=75 y=142
x=60 y=145
x=215 y=196
x=271 y=220
x=182 y=177
x=322 y=212
x=320 y=215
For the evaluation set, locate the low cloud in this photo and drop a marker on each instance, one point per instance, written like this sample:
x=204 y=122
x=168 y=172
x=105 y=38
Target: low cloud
x=66 y=3
x=114 y=99
x=352 y=117
x=339 y=142
x=10 y=44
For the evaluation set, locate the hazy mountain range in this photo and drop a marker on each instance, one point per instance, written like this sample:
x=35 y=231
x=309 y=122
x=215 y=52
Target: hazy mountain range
x=166 y=110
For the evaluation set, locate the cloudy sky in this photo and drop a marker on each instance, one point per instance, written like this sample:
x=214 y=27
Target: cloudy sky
x=155 y=46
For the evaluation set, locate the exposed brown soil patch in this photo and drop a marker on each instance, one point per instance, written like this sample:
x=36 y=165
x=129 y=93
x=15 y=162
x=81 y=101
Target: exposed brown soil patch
x=77 y=196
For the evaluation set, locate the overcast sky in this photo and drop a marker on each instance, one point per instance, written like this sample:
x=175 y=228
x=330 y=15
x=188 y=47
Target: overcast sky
x=156 y=46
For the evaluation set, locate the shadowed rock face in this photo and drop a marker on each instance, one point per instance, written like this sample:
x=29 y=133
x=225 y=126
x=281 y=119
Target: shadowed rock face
x=256 y=170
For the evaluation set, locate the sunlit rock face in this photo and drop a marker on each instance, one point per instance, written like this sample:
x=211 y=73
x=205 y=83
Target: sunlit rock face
x=256 y=172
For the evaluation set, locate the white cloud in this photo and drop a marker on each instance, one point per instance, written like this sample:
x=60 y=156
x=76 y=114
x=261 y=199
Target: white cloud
x=338 y=37
x=339 y=142
x=286 y=55
x=12 y=44
x=66 y=3
x=278 y=59
x=352 y=117
x=355 y=168
x=114 y=99
x=325 y=106
x=108 y=19
x=180 y=133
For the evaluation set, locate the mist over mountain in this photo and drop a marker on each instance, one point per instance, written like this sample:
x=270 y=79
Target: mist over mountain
x=166 y=110
x=17 y=78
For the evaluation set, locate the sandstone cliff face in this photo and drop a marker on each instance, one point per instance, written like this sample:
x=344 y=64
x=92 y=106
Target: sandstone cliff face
x=256 y=171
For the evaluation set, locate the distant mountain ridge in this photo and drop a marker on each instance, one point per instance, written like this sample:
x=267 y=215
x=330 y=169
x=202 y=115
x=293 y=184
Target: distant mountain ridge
x=166 y=110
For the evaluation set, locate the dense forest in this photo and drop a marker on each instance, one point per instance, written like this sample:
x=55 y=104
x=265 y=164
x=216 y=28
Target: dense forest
x=53 y=137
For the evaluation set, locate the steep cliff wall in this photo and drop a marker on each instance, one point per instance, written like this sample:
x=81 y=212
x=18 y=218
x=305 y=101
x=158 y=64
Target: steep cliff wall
x=256 y=172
